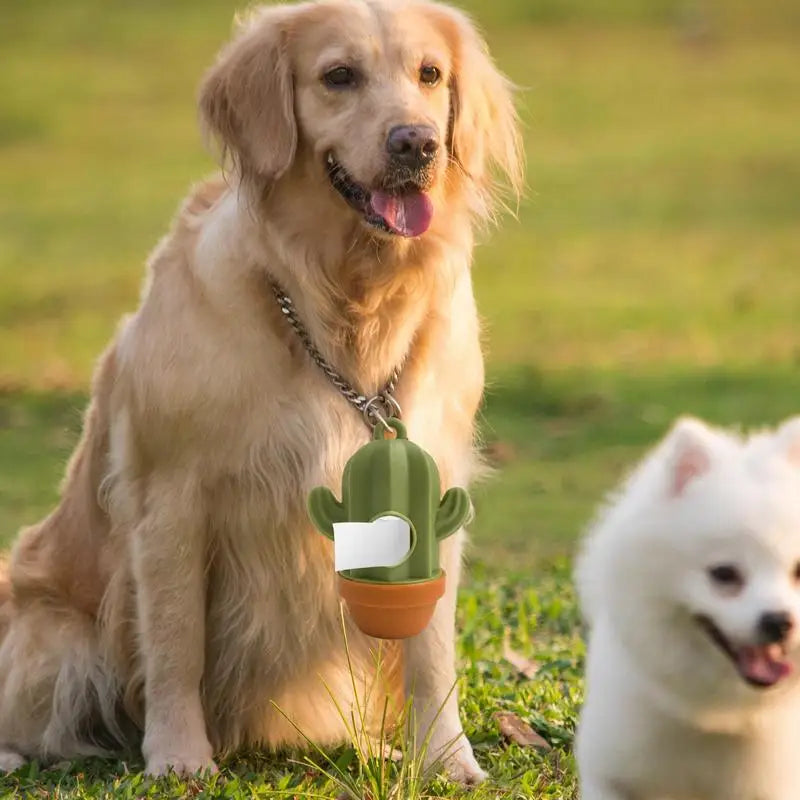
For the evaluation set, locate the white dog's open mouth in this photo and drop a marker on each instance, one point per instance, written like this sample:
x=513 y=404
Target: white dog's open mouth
x=761 y=666
x=405 y=212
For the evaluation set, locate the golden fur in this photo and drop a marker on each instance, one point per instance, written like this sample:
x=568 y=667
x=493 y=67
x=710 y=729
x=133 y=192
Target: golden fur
x=5 y=597
x=179 y=585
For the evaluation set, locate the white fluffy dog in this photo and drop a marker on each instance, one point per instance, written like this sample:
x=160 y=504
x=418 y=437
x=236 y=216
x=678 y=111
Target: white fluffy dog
x=690 y=582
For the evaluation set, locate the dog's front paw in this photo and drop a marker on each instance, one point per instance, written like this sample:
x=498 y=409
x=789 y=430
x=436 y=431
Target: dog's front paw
x=10 y=761
x=187 y=757
x=462 y=768
x=182 y=764
x=458 y=761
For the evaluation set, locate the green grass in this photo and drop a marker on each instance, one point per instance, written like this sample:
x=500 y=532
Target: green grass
x=652 y=272
x=544 y=623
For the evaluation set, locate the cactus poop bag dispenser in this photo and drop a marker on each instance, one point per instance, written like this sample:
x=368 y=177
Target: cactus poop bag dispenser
x=391 y=510
x=387 y=528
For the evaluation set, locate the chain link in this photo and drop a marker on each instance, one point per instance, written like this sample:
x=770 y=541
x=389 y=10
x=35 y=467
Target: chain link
x=375 y=410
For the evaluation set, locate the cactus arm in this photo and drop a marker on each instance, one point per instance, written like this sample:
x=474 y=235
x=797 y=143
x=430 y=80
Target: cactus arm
x=325 y=510
x=453 y=512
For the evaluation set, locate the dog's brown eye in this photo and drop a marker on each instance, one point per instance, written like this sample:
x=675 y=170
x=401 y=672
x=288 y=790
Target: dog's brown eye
x=430 y=75
x=726 y=575
x=797 y=571
x=340 y=78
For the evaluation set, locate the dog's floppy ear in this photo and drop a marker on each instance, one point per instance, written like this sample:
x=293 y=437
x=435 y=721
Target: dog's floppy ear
x=690 y=445
x=789 y=440
x=247 y=99
x=484 y=131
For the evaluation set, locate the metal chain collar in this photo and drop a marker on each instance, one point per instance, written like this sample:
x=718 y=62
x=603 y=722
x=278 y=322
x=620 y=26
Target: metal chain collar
x=376 y=410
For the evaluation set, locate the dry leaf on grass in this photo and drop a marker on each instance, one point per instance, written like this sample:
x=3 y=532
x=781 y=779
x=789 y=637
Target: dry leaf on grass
x=515 y=730
x=526 y=667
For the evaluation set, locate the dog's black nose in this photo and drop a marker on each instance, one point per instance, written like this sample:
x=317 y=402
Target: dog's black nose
x=775 y=626
x=413 y=145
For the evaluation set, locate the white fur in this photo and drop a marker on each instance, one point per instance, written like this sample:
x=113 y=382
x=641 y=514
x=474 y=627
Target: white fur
x=667 y=716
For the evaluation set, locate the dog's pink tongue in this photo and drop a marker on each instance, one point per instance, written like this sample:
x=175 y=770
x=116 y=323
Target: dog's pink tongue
x=407 y=215
x=764 y=665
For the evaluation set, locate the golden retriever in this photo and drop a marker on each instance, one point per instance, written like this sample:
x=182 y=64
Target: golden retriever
x=179 y=588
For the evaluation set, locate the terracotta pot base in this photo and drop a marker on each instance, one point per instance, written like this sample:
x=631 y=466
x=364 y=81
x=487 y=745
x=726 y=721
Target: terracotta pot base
x=391 y=610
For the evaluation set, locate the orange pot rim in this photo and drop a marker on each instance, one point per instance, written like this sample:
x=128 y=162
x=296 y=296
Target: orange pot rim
x=412 y=593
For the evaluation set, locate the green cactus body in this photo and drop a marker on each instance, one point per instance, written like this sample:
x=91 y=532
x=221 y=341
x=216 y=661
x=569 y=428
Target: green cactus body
x=394 y=476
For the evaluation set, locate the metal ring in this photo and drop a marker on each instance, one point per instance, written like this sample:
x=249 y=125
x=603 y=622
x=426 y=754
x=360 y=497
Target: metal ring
x=373 y=416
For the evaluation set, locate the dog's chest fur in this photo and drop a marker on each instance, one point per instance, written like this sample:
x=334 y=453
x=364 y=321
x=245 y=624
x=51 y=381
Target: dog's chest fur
x=271 y=573
x=657 y=752
x=759 y=763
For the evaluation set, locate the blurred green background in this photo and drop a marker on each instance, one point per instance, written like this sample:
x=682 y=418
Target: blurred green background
x=653 y=269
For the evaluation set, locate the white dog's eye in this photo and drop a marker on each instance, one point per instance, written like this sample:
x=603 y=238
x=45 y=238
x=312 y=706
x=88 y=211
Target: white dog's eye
x=430 y=75
x=797 y=571
x=727 y=575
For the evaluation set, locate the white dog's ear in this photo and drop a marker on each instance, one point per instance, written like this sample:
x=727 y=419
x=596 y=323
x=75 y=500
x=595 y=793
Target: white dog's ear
x=247 y=98
x=789 y=440
x=484 y=134
x=690 y=444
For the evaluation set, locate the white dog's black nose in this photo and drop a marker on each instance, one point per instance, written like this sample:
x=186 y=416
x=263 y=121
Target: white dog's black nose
x=775 y=626
x=413 y=146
